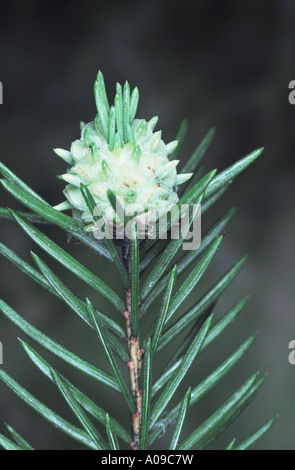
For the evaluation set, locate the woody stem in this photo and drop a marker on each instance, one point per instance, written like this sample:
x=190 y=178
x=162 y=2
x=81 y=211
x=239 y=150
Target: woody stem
x=134 y=365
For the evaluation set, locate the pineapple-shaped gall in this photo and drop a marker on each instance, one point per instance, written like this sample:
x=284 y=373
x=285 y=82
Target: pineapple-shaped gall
x=123 y=154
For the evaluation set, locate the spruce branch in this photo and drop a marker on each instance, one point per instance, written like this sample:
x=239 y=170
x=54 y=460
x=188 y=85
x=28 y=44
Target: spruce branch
x=117 y=166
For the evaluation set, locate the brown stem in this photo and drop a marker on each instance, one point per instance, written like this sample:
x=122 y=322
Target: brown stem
x=134 y=365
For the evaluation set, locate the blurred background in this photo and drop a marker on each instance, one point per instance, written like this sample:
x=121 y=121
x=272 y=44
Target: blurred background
x=224 y=64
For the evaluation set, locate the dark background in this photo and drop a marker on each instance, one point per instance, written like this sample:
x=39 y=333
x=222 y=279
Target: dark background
x=226 y=64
